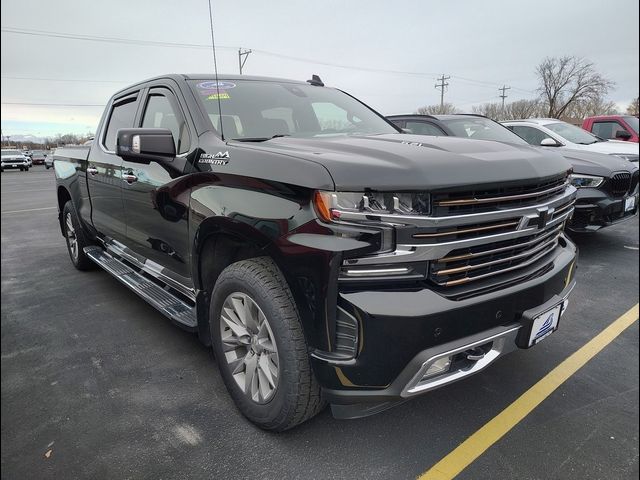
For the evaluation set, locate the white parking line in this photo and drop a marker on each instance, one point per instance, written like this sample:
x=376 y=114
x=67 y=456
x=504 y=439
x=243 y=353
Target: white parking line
x=28 y=210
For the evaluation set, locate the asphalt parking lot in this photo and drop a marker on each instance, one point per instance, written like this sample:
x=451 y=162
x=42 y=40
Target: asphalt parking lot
x=97 y=384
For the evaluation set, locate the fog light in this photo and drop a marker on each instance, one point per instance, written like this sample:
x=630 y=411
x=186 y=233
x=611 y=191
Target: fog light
x=438 y=367
x=565 y=304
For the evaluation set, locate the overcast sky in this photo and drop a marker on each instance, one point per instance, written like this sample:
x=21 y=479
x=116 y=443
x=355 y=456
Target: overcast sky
x=480 y=44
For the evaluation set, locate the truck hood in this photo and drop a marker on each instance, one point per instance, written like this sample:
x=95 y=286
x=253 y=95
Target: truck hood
x=416 y=162
x=593 y=163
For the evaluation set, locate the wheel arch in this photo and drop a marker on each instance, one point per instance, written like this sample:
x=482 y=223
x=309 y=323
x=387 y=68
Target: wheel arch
x=220 y=242
x=63 y=196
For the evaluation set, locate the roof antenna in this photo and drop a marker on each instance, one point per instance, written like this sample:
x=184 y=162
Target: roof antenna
x=315 y=81
x=215 y=69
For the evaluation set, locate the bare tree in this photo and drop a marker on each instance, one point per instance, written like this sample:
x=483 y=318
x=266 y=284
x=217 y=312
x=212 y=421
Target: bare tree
x=521 y=109
x=633 y=108
x=512 y=111
x=569 y=79
x=590 y=108
x=491 y=110
x=445 y=109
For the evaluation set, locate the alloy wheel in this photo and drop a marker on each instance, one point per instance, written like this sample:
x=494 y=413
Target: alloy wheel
x=249 y=347
x=72 y=239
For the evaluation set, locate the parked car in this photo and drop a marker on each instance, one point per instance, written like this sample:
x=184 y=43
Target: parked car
x=38 y=157
x=325 y=255
x=14 y=159
x=550 y=132
x=48 y=160
x=607 y=185
x=613 y=127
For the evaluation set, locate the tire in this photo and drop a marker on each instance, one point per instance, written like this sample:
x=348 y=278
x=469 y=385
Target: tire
x=26 y=169
x=295 y=396
x=76 y=238
x=22 y=169
x=47 y=167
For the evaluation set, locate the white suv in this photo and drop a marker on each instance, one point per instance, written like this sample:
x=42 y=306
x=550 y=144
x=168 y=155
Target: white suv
x=550 y=132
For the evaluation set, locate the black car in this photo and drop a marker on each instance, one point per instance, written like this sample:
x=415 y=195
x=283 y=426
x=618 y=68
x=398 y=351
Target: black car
x=324 y=255
x=607 y=185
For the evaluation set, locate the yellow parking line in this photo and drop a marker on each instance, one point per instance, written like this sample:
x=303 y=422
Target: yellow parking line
x=491 y=432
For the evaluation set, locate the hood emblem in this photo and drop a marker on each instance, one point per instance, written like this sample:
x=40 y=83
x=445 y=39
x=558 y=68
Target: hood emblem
x=220 y=158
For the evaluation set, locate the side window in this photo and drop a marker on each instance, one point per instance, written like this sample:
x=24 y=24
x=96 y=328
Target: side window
x=160 y=113
x=531 y=135
x=121 y=116
x=606 y=129
x=424 y=128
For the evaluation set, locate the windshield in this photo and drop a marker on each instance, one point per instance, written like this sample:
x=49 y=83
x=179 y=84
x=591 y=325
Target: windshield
x=260 y=110
x=632 y=122
x=6 y=153
x=481 y=129
x=572 y=133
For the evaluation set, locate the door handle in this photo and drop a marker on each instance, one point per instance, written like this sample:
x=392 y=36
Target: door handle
x=92 y=170
x=129 y=177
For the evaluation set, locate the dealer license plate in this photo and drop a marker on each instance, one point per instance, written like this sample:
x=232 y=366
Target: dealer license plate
x=629 y=204
x=545 y=324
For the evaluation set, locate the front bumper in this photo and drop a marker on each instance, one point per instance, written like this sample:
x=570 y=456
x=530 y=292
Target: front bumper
x=14 y=165
x=595 y=209
x=402 y=331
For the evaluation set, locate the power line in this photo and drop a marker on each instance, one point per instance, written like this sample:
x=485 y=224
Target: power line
x=442 y=85
x=10 y=77
x=129 y=41
x=54 y=104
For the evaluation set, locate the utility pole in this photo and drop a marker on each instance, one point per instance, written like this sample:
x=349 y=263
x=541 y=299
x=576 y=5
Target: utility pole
x=442 y=85
x=243 y=54
x=503 y=96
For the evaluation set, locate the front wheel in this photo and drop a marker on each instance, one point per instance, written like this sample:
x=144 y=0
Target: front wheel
x=260 y=348
x=76 y=238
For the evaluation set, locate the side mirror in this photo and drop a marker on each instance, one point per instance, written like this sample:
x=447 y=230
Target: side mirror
x=623 y=135
x=144 y=145
x=549 y=142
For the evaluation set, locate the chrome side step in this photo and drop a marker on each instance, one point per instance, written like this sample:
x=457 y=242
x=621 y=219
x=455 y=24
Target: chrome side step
x=164 y=301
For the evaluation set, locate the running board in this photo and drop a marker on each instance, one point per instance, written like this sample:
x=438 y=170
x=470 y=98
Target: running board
x=164 y=301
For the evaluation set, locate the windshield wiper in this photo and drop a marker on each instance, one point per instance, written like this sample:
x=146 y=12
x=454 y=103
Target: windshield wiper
x=260 y=139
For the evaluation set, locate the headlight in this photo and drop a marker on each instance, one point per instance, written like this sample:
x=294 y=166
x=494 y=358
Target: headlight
x=330 y=205
x=585 y=181
x=632 y=157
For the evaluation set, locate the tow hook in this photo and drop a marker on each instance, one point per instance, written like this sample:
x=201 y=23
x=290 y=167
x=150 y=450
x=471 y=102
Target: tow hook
x=475 y=354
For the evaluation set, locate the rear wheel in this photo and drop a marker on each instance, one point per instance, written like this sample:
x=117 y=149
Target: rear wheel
x=76 y=238
x=260 y=347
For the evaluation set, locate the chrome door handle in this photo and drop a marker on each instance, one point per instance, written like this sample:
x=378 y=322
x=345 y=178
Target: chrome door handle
x=129 y=177
x=92 y=170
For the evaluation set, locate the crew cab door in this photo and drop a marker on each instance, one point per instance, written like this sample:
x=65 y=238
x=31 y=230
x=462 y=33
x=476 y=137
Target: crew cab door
x=104 y=171
x=156 y=195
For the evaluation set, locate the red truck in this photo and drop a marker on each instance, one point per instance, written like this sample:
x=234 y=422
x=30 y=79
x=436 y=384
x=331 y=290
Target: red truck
x=613 y=127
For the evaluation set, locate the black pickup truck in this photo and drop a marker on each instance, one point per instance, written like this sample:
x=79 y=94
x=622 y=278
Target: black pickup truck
x=325 y=255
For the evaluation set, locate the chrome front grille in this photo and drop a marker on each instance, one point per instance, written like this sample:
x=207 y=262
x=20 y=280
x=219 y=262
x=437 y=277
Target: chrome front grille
x=488 y=199
x=466 y=265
